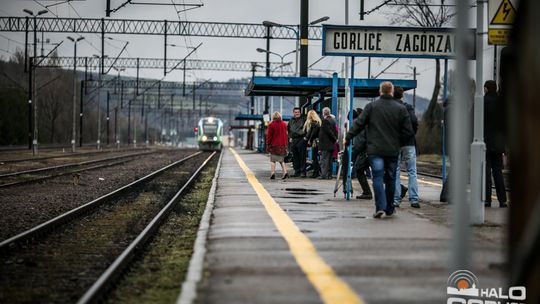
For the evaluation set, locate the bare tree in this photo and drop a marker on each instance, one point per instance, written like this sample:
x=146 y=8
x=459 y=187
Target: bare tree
x=55 y=98
x=431 y=14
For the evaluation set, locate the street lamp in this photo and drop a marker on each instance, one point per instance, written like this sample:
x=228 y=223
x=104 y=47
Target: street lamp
x=322 y=19
x=32 y=136
x=281 y=66
x=74 y=129
x=118 y=101
x=98 y=141
x=297 y=33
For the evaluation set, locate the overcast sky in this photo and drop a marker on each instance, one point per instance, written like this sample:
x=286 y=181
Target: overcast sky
x=248 y=11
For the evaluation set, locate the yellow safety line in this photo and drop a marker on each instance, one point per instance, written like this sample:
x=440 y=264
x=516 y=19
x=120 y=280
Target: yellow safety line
x=330 y=287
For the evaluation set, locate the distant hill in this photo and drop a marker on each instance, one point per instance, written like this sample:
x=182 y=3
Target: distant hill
x=421 y=103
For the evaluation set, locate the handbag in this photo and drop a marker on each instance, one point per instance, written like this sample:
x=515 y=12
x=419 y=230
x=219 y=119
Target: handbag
x=289 y=158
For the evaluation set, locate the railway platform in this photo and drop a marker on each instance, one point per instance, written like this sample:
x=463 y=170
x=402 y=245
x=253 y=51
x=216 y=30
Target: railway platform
x=292 y=241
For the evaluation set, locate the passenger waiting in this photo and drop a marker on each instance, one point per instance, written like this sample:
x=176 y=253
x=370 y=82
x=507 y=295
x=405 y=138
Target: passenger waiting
x=297 y=143
x=276 y=144
x=493 y=135
x=360 y=158
x=312 y=127
x=407 y=154
x=327 y=138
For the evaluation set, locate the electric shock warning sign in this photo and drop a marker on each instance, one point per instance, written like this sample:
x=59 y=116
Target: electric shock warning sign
x=501 y=16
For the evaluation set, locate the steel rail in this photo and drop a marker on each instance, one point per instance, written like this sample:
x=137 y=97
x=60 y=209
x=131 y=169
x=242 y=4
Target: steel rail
x=102 y=284
x=49 y=225
x=104 y=151
x=34 y=180
x=440 y=177
x=63 y=166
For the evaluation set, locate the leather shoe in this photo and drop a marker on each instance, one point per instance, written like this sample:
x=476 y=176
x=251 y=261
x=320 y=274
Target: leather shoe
x=364 y=196
x=403 y=191
x=273 y=176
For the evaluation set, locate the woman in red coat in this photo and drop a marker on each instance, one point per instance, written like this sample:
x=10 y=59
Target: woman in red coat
x=276 y=144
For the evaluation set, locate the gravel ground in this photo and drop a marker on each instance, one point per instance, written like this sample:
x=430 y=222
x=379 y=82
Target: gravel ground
x=157 y=276
x=61 y=266
x=59 y=159
x=28 y=205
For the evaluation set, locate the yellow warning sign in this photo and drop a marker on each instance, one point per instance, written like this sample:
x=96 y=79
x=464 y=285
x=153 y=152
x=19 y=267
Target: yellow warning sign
x=505 y=15
x=499 y=36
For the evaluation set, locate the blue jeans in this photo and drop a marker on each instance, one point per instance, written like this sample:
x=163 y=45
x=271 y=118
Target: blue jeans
x=383 y=170
x=407 y=154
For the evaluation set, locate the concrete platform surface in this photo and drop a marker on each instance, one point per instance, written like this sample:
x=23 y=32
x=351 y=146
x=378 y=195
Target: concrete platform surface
x=402 y=259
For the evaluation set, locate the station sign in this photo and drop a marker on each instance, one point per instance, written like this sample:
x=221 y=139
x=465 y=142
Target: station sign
x=501 y=16
x=386 y=41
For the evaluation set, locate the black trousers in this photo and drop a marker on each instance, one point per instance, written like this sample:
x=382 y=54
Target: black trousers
x=494 y=166
x=298 y=149
x=358 y=168
x=315 y=160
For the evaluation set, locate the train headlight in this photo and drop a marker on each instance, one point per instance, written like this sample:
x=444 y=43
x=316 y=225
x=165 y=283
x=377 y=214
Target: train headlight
x=204 y=138
x=215 y=138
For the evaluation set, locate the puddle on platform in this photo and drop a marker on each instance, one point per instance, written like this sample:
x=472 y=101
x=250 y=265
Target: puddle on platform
x=304 y=203
x=300 y=190
x=307 y=221
x=305 y=193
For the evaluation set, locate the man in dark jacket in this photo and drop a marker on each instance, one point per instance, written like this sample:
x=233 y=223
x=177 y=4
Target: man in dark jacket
x=327 y=139
x=296 y=132
x=407 y=154
x=388 y=126
x=494 y=144
x=361 y=163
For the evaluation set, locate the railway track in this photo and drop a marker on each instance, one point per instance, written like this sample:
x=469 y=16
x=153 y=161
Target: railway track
x=422 y=168
x=84 y=250
x=63 y=155
x=40 y=174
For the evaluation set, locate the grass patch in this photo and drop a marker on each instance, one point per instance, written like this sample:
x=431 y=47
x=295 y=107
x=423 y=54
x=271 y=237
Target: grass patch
x=430 y=158
x=157 y=276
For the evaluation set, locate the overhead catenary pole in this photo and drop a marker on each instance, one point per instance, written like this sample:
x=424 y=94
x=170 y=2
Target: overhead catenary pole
x=165 y=48
x=304 y=19
x=268 y=36
x=478 y=147
x=29 y=84
x=108 y=116
x=98 y=141
x=74 y=123
x=119 y=105
x=129 y=122
x=343 y=105
x=350 y=118
x=82 y=90
x=146 y=126
x=459 y=129
x=34 y=89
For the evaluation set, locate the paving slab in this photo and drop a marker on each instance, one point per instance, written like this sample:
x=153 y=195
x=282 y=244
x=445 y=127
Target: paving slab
x=401 y=259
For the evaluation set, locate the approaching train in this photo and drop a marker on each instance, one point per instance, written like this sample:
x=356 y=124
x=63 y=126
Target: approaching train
x=210 y=134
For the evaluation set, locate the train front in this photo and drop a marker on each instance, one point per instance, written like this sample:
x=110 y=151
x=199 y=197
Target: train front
x=210 y=134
